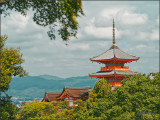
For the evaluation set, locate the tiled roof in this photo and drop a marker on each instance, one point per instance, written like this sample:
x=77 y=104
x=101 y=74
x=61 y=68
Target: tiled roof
x=114 y=52
x=103 y=73
x=75 y=92
x=77 y=88
x=51 y=96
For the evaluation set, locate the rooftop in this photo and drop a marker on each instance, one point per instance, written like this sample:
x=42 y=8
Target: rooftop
x=51 y=96
x=114 y=52
x=118 y=72
x=75 y=92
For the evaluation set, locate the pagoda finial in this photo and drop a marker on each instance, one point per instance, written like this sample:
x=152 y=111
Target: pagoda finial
x=114 y=42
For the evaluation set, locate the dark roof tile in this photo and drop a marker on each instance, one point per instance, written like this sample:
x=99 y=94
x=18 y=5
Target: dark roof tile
x=114 y=52
x=103 y=73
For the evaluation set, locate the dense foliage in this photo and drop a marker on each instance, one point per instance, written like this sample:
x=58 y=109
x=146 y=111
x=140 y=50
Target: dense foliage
x=10 y=65
x=137 y=98
x=52 y=13
x=8 y=110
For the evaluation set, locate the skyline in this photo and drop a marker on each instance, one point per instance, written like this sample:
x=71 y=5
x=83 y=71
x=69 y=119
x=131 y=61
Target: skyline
x=137 y=33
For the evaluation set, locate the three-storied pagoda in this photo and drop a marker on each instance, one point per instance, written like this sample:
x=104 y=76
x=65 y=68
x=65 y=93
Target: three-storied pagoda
x=114 y=60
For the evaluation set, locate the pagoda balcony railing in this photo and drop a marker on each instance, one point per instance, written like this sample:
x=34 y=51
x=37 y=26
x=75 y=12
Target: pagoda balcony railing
x=114 y=68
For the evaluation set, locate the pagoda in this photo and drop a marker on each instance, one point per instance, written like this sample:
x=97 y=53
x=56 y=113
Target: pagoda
x=114 y=60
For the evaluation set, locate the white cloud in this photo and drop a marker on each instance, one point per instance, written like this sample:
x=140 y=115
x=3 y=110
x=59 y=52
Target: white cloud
x=142 y=36
x=130 y=18
x=141 y=46
x=154 y=35
x=17 y=21
x=100 y=32
x=100 y=26
x=124 y=14
x=157 y=20
x=111 y=12
x=79 y=46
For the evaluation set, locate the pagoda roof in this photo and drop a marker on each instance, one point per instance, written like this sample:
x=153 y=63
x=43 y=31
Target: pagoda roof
x=75 y=92
x=51 y=96
x=114 y=52
x=118 y=72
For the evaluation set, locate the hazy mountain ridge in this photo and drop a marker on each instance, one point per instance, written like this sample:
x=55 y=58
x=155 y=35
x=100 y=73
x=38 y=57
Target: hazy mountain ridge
x=34 y=87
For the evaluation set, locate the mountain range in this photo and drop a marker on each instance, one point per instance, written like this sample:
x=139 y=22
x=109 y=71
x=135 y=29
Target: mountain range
x=34 y=87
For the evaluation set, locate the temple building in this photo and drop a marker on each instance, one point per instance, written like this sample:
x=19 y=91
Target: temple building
x=50 y=96
x=69 y=94
x=113 y=59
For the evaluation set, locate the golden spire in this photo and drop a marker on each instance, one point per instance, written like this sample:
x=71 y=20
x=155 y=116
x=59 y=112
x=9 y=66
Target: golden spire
x=114 y=42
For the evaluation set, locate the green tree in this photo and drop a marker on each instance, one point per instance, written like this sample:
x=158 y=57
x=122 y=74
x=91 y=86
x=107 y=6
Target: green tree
x=101 y=88
x=8 y=110
x=11 y=60
x=137 y=98
x=95 y=106
x=60 y=14
x=10 y=65
x=44 y=110
x=36 y=110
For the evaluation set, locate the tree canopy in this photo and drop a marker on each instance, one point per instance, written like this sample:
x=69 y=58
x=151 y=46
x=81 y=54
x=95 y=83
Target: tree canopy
x=60 y=15
x=10 y=65
x=137 y=98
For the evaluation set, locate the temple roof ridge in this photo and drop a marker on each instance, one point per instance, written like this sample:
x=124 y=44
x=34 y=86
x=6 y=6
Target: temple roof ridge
x=88 y=87
x=53 y=92
x=113 y=72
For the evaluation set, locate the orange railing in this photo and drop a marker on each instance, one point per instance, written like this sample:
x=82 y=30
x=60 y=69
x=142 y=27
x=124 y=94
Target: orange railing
x=114 y=68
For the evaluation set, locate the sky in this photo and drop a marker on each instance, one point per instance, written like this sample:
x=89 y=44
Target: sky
x=137 y=33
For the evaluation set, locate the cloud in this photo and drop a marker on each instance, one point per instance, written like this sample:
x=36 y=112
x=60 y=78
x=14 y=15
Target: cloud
x=157 y=20
x=130 y=18
x=100 y=26
x=79 y=46
x=141 y=46
x=142 y=35
x=17 y=21
x=154 y=35
x=125 y=15
x=100 y=32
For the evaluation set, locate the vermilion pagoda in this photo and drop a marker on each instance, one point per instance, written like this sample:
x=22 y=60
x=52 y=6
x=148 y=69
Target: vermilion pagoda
x=114 y=60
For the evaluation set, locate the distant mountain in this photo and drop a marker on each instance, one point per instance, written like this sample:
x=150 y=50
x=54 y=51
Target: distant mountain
x=34 y=87
x=50 y=77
